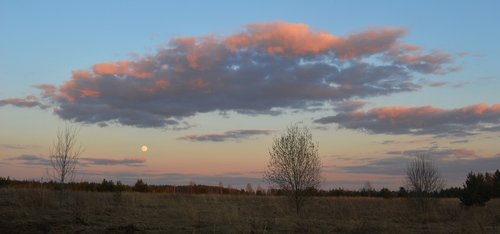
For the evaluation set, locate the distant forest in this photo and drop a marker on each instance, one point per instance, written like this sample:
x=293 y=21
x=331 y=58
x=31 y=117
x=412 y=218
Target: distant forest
x=487 y=181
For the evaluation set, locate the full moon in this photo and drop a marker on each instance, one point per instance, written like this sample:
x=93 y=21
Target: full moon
x=144 y=148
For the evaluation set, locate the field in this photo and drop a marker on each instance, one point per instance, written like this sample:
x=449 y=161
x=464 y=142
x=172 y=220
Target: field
x=38 y=211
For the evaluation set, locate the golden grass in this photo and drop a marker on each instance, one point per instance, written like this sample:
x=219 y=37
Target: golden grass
x=38 y=211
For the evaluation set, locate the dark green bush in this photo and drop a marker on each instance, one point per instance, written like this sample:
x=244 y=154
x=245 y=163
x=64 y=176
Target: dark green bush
x=495 y=190
x=385 y=193
x=4 y=182
x=476 y=191
x=140 y=186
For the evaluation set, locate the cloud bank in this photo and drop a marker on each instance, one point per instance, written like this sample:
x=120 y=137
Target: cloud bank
x=454 y=164
x=134 y=162
x=19 y=146
x=28 y=159
x=29 y=101
x=45 y=161
x=265 y=68
x=420 y=120
x=234 y=135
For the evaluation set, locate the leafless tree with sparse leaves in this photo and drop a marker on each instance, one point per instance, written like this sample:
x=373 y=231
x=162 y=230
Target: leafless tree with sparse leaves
x=294 y=164
x=64 y=155
x=423 y=178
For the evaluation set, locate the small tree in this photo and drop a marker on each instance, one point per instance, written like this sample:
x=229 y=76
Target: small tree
x=221 y=187
x=249 y=189
x=64 y=155
x=367 y=189
x=423 y=178
x=496 y=185
x=294 y=164
x=402 y=192
x=476 y=191
x=385 y=193
x=260 y=191
x=4 y=182
x=140 y=186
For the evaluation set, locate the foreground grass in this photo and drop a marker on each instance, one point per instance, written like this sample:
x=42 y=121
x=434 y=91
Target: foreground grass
x=38 y=211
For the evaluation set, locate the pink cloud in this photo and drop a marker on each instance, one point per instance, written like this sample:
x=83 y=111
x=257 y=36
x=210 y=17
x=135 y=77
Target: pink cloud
x=369 y=42
x=28 y=101
x=299 y=39
x=123 y=67
x=266 y=68
x=283 y=38
x=419 y=120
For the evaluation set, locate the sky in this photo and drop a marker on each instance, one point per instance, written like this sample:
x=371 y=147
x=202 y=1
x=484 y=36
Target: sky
x=207 y=85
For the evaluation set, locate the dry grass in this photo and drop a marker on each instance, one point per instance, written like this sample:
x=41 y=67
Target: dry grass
x=38 y=211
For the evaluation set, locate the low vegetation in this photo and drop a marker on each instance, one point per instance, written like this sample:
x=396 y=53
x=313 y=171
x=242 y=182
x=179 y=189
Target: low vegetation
x=37 y=210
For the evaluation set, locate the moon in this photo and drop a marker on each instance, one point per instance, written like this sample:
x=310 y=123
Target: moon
x=144 y=148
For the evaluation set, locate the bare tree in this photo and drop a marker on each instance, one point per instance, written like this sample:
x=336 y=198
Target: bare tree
x=249 y=189
x=367 y=189
x=221 y=187
x=64 y=154
x=423 y=178
x=294 y=164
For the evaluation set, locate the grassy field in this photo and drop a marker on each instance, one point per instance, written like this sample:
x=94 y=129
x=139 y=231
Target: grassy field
x=38 y=211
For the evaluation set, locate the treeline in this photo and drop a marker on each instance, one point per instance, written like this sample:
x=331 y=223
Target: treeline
x=383 y=193
x=192 y=188
x=477 y=189
x=111 y=186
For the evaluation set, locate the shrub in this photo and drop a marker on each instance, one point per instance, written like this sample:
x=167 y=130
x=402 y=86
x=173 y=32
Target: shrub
x=476 y=191
x=4 y=182
x=385 y=193
x=495 y=190
x=402 y=192
x=106 y=186
x=117 y=194
x=140 y=186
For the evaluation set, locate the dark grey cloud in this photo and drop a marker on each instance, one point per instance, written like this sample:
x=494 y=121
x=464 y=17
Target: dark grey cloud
x=438 y=84
x=265 y=69
x=491 y=129
x=436 y=152
x=134 y=162
x=385 y=166
x=233 y=135
x=27 y=159
x=29 y=101
x=454 y=164
x=459 y=141
x=349 y=105
x=18 y=146
x=45 y=161
x=423 y=120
